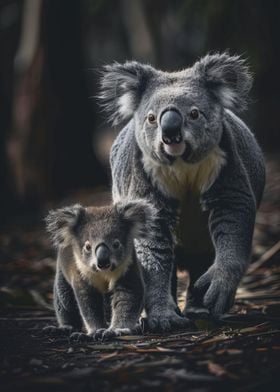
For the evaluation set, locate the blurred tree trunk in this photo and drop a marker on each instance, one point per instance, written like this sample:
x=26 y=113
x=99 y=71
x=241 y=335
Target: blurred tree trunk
x=49 y=144
x=140 y=40
x=28 y=65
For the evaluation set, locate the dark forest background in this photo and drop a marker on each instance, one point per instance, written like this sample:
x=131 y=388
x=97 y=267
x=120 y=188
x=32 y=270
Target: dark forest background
x=53 y=137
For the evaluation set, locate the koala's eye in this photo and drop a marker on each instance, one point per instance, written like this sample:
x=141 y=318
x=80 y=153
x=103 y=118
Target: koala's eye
x=152 y=118
x=116 y=244
x=194 y=114
x=87 y=246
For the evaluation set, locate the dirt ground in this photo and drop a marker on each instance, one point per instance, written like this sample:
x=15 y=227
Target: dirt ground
x=240 y=353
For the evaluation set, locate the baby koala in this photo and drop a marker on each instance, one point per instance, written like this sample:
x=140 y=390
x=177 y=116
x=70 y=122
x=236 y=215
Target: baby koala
x=97 y=262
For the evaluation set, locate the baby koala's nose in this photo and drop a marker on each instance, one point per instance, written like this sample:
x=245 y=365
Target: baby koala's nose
x=102 y=253
x=171 y=126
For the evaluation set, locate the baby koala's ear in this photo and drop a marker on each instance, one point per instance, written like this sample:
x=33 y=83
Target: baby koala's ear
x=140 y=214
x=61 y=223
x=227 y=77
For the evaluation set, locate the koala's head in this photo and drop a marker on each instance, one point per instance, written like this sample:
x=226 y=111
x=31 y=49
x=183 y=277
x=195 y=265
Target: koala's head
x=102 y=237
x=176 y=114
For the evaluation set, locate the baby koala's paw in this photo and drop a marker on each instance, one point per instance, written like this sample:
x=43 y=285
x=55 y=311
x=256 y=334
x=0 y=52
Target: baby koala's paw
x=98 y=334
x=52 y=330
x=80 y=337
x=111 y=333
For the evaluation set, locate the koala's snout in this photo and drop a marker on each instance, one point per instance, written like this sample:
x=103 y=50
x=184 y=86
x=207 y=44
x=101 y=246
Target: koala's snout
x=171 y=122
x=103 y=253
x=171 y=126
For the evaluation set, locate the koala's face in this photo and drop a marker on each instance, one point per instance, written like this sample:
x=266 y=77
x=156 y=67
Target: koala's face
x=176 y=114
x=102 y=238
x=105 y=240
x=177 y=118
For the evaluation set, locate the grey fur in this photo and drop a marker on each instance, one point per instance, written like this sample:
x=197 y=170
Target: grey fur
x=81 y=288
x=207 y=187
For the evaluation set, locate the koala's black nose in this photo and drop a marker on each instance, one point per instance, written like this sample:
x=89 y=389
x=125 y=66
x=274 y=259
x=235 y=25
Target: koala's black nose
x=171 y=126
x=102 y=253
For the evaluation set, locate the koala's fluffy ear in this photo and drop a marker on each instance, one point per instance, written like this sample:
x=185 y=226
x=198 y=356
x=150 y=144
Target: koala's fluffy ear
x=121 y=87
x=62 y=223
x=140 y=214
x=227 y=77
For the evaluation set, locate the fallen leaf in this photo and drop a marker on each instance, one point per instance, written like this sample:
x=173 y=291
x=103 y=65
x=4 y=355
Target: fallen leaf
x=164 y=349
x=255 y=328
x=104 y=357
x=216 y=369
x=230 y=351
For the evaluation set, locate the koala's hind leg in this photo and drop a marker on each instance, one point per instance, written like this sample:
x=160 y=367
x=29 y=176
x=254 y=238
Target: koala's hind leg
x=66 y=309
x=65 y=304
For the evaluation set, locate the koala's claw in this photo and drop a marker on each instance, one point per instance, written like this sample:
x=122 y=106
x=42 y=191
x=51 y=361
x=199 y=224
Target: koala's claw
x=215 y=291
x=166 y=323
x=98 y=335
x=108 y=334
x=54 y=331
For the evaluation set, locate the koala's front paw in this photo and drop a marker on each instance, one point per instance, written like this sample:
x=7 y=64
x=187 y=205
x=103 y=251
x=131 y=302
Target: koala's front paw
x=216 y=288
x=166 y=320
x=52 y=330
x=111 y=333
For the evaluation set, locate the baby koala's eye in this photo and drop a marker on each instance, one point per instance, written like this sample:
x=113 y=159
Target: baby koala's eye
x=194 y=114
x=152 y=118
x=116 y=244
x=87 y=246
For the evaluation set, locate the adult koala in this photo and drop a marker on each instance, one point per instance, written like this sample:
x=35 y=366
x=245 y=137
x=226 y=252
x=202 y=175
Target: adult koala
x=186 y=151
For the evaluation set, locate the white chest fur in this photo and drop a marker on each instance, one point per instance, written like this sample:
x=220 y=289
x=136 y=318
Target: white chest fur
x=103 y=281
x=180 y=177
